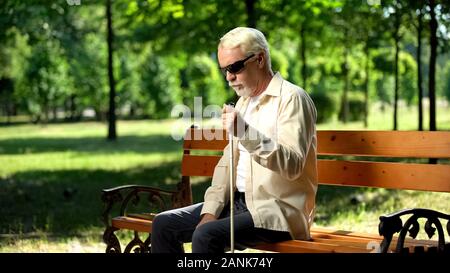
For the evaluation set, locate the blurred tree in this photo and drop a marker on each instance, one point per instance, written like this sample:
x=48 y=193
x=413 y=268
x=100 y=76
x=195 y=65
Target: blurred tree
x=88 y=63
x=383 y=63
x=344 y=20
x=396 y=11
x=204 y=80
x=416 y=17
x=432 y=72
x=407 y=69
x=46 y=80
x=332 y=46
x=158 y=86
x=370 y=29
x=439 y=13
x=112 y=134
x=308 y=20
x=446 y=85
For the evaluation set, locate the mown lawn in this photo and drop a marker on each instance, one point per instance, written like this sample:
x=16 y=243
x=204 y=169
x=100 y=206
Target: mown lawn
x=51 y=179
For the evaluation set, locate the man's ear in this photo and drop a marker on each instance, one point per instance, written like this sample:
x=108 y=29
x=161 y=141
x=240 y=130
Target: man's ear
x=260 y=59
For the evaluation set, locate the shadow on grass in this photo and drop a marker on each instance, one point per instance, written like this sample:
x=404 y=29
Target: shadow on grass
x=67 y=202
x=136 y=144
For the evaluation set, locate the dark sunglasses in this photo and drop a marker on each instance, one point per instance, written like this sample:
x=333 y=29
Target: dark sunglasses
x=235 y=67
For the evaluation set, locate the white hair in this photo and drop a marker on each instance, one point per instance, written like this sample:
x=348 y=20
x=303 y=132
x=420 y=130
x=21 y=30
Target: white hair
x=250 y=41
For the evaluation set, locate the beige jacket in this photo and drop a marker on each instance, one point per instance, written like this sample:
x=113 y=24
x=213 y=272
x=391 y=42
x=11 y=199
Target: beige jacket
x=280 y=192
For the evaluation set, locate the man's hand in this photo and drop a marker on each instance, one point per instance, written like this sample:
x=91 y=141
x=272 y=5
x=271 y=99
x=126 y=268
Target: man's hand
x=232 y=121
x=207 y=217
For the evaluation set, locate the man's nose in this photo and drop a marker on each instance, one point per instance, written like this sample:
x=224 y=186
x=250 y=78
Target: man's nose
x=230 y=76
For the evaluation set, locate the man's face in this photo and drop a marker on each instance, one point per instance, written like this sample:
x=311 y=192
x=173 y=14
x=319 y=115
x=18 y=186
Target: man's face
x=245 y=81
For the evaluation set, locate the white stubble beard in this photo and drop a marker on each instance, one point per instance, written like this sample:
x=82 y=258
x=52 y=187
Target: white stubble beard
x=242 y=92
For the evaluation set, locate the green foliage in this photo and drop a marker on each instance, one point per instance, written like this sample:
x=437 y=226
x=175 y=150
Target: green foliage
x=408 y=78
x=158 y=84
x=355 y=107
x=383 y=61
x=325 y=106
x=46 y=79
x=324 y=75
x=446 y=83
x=384 y=88
x=88 y=70
x=128 y=84
x=204 y=80
x=280 y=62
x=55 y=57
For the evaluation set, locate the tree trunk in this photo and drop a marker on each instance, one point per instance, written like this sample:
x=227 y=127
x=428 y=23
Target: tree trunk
x=303 y=54
x=432 y=71
x=419 y=67
x=132 y=112
x=46 y=109
x=112 y=92
x=397 y=49
x=345 y=70
x=366 y=86
x=251 y=16
x=73 y=107
x=55 y=112
x=396 y=83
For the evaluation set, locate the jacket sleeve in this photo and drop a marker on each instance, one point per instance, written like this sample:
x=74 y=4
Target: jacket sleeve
x=285 y=153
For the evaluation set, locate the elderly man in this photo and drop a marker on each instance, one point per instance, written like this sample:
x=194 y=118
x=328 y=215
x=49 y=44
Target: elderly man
x=276 y=175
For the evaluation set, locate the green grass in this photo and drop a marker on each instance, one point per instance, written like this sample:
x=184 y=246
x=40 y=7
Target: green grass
x=41 y=164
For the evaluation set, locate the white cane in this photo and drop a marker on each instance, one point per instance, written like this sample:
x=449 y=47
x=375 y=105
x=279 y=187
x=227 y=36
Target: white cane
x=230 y=139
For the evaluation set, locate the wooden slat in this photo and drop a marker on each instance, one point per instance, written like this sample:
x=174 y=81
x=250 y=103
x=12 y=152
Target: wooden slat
x=330 y=231
x=124 y=222
x=297 y=246
x=415 y=144
x=149 y=216
x=364 y=238
x=322 y=232
x=198 y=165
x=206 y=139
x=385 y=143
x=426 y=177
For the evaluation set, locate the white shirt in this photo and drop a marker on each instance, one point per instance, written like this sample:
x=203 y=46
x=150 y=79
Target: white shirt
x=242 y=168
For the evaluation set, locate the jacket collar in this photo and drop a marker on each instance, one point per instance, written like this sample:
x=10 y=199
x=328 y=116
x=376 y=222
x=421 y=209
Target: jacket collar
x=274 y=87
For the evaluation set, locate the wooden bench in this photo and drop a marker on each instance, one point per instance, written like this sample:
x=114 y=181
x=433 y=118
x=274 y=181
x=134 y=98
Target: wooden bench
x=382 y=159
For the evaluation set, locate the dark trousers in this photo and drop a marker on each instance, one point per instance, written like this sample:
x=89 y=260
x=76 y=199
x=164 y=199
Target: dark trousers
x=170 y=229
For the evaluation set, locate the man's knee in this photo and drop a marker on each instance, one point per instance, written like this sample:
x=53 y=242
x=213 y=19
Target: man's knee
x=160 y=223
x=199 y=235
x=203 y=235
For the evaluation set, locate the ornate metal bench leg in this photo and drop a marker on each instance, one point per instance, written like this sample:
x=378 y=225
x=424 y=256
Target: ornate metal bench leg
x=148 y=244
x=385 y=243
x=111 y=241
x=136 y=245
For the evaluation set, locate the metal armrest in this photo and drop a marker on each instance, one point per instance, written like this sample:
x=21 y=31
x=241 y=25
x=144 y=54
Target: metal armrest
x=392 y=223
x=124 y=195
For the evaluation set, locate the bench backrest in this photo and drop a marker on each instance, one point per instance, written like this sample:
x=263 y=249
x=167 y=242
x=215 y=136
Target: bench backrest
x=359 y=158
